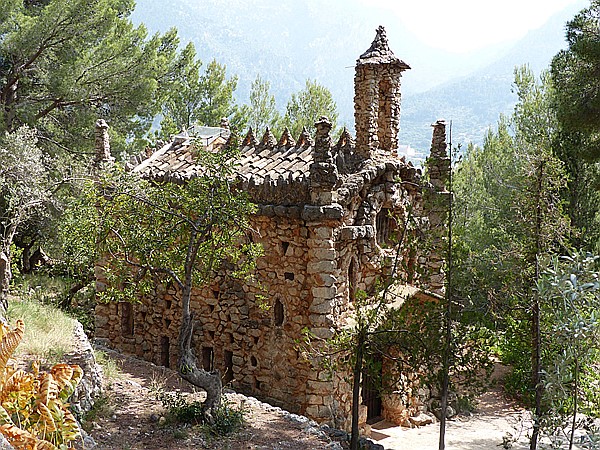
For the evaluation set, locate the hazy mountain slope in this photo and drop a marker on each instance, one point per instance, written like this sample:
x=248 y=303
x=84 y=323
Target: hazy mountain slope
x=288 y=41
x=474 y=103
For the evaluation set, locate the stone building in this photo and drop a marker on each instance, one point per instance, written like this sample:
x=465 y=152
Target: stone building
x=327 y=214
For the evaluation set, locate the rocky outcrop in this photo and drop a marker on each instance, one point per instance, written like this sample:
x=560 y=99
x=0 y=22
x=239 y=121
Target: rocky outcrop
x=90 y=386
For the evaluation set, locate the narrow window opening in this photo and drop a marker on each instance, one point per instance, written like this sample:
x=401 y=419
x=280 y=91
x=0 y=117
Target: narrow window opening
x=284 y=246
x=278 y=311
x=126 y=319
x=253 y=361
x=255 y=340
x=386 y=227
x=169 y=303
x=352 y=281
x=228 y=360
x=288 y=276
x=165 y=350
x=211 y=334
x=211 y=308
x=257 y=385
x=167 y=323
x=207 y=358
x=230 y=337
x=384 y=114
x=215 y=294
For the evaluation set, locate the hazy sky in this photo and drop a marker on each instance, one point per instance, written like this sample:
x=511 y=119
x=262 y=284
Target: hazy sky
x=466 y=25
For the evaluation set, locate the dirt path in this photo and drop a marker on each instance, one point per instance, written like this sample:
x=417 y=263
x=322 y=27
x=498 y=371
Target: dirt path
x=132 y=421
x=494 y=417
x=131 y=418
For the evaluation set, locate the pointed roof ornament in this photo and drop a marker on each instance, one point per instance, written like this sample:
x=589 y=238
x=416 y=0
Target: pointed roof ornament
x=379 y=52
x=304 y=140
x=250 y=139
x=286 y=139
x=268 y=140
x=345 y=139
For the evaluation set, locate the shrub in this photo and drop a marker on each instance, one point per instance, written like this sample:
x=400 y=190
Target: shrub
x=33 y=413
x=223 y=420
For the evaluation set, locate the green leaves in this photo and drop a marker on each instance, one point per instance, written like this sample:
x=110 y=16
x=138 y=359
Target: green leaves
x=204 y=98
x=570 y=290
x=25 y=183
x=305 y=107
x=68 y=62
x=263 y=111
x=575 y=74
x=149 y=233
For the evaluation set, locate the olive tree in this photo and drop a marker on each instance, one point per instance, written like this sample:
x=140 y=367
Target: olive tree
x=181 y=232
x=25 y=193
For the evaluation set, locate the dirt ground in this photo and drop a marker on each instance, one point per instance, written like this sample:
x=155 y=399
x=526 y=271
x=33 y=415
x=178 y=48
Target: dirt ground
x=485 y=429
x=131 y=420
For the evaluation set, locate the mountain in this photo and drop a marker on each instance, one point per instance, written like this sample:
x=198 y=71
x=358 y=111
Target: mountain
x=474 y=102
x=288 y=41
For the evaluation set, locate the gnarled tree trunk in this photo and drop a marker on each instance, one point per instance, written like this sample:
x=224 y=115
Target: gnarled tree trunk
x=188 y=363
x=189 y=370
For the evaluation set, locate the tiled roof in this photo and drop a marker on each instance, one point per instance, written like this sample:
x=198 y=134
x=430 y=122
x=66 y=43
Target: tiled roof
x=268 y=159
x=274 y=171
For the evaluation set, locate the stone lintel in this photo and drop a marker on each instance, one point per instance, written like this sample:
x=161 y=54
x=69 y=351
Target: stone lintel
x=312 y=213
x=351 y=233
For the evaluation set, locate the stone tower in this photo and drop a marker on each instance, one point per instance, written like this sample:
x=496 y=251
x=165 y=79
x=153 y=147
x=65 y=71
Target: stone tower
x=377 y=97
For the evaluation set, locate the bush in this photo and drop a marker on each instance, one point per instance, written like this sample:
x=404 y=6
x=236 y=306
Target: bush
x=221 y=421
x=33 y=412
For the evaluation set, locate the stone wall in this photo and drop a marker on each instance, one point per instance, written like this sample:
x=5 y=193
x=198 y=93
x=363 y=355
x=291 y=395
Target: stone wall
x=326 y=235
x=249 y=331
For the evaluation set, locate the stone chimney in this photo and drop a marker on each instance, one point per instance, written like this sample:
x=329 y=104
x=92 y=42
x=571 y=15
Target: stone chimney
x=438 y=163
x=377 y=97
x=102 y=144
x=437 y=207
x=224 y=123
x=323 y=171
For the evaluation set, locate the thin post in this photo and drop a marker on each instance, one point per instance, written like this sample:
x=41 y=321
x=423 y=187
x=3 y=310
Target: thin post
x=448 y=313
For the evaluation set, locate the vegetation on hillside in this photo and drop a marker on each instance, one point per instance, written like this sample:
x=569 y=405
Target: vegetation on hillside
x=526 y=216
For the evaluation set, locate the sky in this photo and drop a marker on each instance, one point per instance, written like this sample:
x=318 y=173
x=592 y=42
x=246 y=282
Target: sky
x=461 y=26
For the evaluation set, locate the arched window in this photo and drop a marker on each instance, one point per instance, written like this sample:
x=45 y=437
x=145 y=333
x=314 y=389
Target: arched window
x=279 y=313
x=385 y=225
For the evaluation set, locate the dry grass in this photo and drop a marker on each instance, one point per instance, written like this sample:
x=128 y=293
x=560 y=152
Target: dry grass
x=48 y=330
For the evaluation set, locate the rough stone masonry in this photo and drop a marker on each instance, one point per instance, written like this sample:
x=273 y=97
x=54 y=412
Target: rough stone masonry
x=327 y=214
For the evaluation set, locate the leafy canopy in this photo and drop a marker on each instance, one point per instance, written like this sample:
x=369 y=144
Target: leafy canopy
x=306 y=106
x=64 y=63
x=179 y=232
x=575 y=73
x=192 y=97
